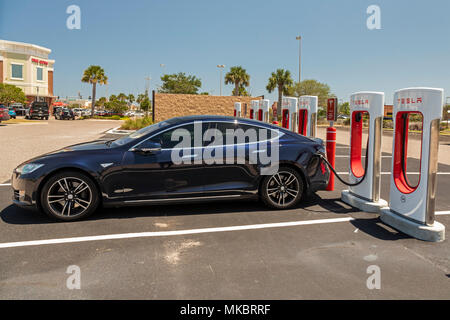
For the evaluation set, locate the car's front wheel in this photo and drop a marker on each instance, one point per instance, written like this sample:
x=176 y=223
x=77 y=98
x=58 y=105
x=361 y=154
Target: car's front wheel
x=69 y=196
x=282 y=190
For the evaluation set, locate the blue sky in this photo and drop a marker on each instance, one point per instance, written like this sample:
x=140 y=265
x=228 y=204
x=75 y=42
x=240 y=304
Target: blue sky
x=130 y=39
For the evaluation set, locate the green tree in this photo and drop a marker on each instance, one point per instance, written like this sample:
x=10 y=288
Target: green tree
x=239 y=77
x=145 y=105
x=122 y=97
x=344 y=108
x=10 y=93
x=312 y=88
x=131 y=98
x=100 y=102
x=180 y=83
x=140 y=97
x=281 y=80
x=94 y=75
x=112 y=97
x=116 y=106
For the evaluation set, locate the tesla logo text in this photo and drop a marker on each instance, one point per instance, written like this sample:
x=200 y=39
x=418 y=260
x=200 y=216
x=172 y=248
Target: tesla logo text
x=360 y=102
x=409 y=100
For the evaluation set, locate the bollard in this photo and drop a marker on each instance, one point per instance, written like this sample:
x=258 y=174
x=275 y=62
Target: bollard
x=331 y=154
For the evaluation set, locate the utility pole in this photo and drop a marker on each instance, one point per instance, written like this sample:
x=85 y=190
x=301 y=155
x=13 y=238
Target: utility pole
x=299 y=38
x=147 y=85
x=220 y=66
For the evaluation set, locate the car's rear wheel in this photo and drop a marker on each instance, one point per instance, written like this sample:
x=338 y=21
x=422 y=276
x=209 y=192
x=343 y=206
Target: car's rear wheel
x=69 y=196
x=282 y=190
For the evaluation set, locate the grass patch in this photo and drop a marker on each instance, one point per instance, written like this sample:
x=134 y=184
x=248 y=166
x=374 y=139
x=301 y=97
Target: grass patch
x=135 y=124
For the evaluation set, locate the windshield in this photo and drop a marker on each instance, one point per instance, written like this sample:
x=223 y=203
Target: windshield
x=140 y=133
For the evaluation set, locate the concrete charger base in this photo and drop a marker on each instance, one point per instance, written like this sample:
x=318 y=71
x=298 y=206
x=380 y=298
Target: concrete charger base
x=361 y=204
x=434 y=233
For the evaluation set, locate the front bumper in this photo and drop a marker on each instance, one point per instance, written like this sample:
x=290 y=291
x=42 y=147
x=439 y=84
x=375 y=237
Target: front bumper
x=24 y=191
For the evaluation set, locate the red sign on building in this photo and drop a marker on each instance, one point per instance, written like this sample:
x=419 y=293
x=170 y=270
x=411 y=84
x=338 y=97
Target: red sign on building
x=332 y=104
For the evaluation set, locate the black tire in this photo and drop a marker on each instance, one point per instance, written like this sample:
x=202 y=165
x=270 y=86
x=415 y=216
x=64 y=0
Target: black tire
x=282 y=190
x=78 y=193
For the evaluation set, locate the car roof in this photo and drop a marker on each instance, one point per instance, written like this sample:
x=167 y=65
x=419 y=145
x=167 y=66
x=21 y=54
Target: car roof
x=217 y=118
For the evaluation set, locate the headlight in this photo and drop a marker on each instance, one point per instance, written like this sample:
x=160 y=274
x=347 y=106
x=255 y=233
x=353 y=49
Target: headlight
x=28 y=168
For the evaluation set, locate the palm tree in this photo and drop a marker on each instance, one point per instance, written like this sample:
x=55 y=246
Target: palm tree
x=122 y=97
x=280 y=79
x=94 y=75
x=239 y=77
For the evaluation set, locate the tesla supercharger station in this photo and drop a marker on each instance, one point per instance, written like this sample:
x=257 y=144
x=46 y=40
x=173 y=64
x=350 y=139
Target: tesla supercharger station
x=254 y=106
x=237 y=109
x=364 y=189
x=264 y=110
x=411 y=207
x=289 y=113
x=307 y=115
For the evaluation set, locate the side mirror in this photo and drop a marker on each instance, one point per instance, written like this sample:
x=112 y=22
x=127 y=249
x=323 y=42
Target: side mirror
x=151 y=148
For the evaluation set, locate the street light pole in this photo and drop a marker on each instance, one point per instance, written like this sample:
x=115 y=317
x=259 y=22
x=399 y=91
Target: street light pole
x=220 y=66
x=299 y=38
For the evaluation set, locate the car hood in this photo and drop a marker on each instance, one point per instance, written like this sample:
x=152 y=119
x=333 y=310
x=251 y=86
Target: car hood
x=66 y=151
x=85 y=146
x=92 y=145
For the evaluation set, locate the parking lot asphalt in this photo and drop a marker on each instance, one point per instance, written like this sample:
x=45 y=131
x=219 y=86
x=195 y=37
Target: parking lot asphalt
x=225 y=250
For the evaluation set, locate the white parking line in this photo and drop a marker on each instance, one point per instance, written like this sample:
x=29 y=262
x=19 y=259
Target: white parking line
x=5 y=184
x=441 y=213
x=171 y=233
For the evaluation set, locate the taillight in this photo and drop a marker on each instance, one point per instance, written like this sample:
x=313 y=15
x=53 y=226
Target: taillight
x=31 y=110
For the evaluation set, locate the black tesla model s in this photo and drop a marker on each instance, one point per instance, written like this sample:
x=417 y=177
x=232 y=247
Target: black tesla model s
x=185 y=159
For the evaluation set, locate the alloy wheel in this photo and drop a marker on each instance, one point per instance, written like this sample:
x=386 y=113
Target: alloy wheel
x=69 y=197
x=283 y=188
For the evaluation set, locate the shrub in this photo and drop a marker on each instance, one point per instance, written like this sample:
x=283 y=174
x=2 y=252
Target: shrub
x=388 y=124
x=138 y=123
x=115 y=117
x=347 y=122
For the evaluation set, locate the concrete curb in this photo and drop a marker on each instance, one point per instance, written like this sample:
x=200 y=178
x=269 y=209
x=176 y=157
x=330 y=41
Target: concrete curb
x=118 y=131
x=363 y=205
x=434 y=233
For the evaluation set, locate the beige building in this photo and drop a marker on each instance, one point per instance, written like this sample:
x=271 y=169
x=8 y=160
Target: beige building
x=28 y=67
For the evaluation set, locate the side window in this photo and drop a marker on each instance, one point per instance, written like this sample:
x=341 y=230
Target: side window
x=171 y=138
x=250 y=133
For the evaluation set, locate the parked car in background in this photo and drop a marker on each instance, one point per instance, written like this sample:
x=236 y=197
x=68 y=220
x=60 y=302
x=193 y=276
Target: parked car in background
x=112 y=113
x=65 y=114
x=38 y=110
x=4 y=113
x=78 y=112
x=55 y=110
x=12 y=112
x=19 y=109
x=100 y=113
